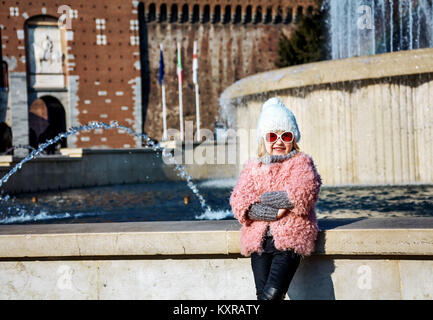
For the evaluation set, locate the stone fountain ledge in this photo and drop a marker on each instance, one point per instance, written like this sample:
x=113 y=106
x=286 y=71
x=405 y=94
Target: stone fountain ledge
x=375 y=236
x=354 y=259
x=333 y=71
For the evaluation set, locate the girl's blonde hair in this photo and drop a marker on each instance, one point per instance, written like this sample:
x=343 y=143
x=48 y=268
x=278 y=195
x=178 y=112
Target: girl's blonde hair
x=261 y=151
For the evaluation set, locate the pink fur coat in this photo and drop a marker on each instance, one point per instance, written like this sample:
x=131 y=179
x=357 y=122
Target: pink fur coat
x=298 y=228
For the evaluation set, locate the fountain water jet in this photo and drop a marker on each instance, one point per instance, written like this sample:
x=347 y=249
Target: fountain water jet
x=113 y=125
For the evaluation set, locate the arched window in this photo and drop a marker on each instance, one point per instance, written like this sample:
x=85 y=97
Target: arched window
x=289 y=16
x=258 y=17
x=173 y=13
x=299 y=12
x=151 y=14
x=195 y=13
x=4 y=76
x=47 y=119
x=206 y=14
x=278 y=16
x=3 y=67
x=310 y=11
x=227 y=14
x=4 y=89
x=163 y=13
x=268 y=16
x=5 y=139
x=248 y=15
x=185 y=14
x=238 y=15
x=217 y=14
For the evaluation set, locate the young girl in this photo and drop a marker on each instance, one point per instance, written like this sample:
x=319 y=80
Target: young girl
x=274 y=201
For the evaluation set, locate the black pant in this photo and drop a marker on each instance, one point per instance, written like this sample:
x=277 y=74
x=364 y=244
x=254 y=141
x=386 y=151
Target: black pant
x=273 y=269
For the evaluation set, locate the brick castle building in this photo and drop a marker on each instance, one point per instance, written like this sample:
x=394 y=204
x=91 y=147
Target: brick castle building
x=65 y=64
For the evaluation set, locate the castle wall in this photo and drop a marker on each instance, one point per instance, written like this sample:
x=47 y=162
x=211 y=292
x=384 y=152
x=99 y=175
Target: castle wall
x=112 y=58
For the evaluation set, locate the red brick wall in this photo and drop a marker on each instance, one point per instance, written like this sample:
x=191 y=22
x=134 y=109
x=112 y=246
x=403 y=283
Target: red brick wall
x=227 y=53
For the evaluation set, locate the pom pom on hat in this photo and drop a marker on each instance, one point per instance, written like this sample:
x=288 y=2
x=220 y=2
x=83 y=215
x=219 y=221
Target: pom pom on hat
x=276 y=116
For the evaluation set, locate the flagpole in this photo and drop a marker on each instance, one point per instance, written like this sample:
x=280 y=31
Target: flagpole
x=164 y=106
x=164 y=112
x=197 y=107
x=197 y=99
x=179 y=77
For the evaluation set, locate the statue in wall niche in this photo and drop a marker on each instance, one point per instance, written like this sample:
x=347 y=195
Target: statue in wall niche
x=48 y=60
x=45 y=57
x=47 y=47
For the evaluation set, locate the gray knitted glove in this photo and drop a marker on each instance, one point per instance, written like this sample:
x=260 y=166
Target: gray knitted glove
x=260 y=211
x=277 y=199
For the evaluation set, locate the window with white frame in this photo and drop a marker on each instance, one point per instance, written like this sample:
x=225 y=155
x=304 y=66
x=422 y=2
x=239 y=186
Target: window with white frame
x=101 y=39
x=100 y=24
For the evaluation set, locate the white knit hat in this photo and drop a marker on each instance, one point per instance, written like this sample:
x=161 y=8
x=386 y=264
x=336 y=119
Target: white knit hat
x=276 y=116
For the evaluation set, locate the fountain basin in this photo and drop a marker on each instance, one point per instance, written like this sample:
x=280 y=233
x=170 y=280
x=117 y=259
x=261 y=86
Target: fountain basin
x=333 y=71
x=174 y=201
x=353 y=259
x=364 y=120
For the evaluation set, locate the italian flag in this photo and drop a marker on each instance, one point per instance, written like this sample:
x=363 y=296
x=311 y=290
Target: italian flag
x=179 y=66
x=195 y=64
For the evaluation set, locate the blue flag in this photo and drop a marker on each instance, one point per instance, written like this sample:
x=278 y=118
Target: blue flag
x=161 y=67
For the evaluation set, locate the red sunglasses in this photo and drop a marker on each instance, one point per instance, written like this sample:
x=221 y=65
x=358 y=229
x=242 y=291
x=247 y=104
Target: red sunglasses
x=286 y=136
